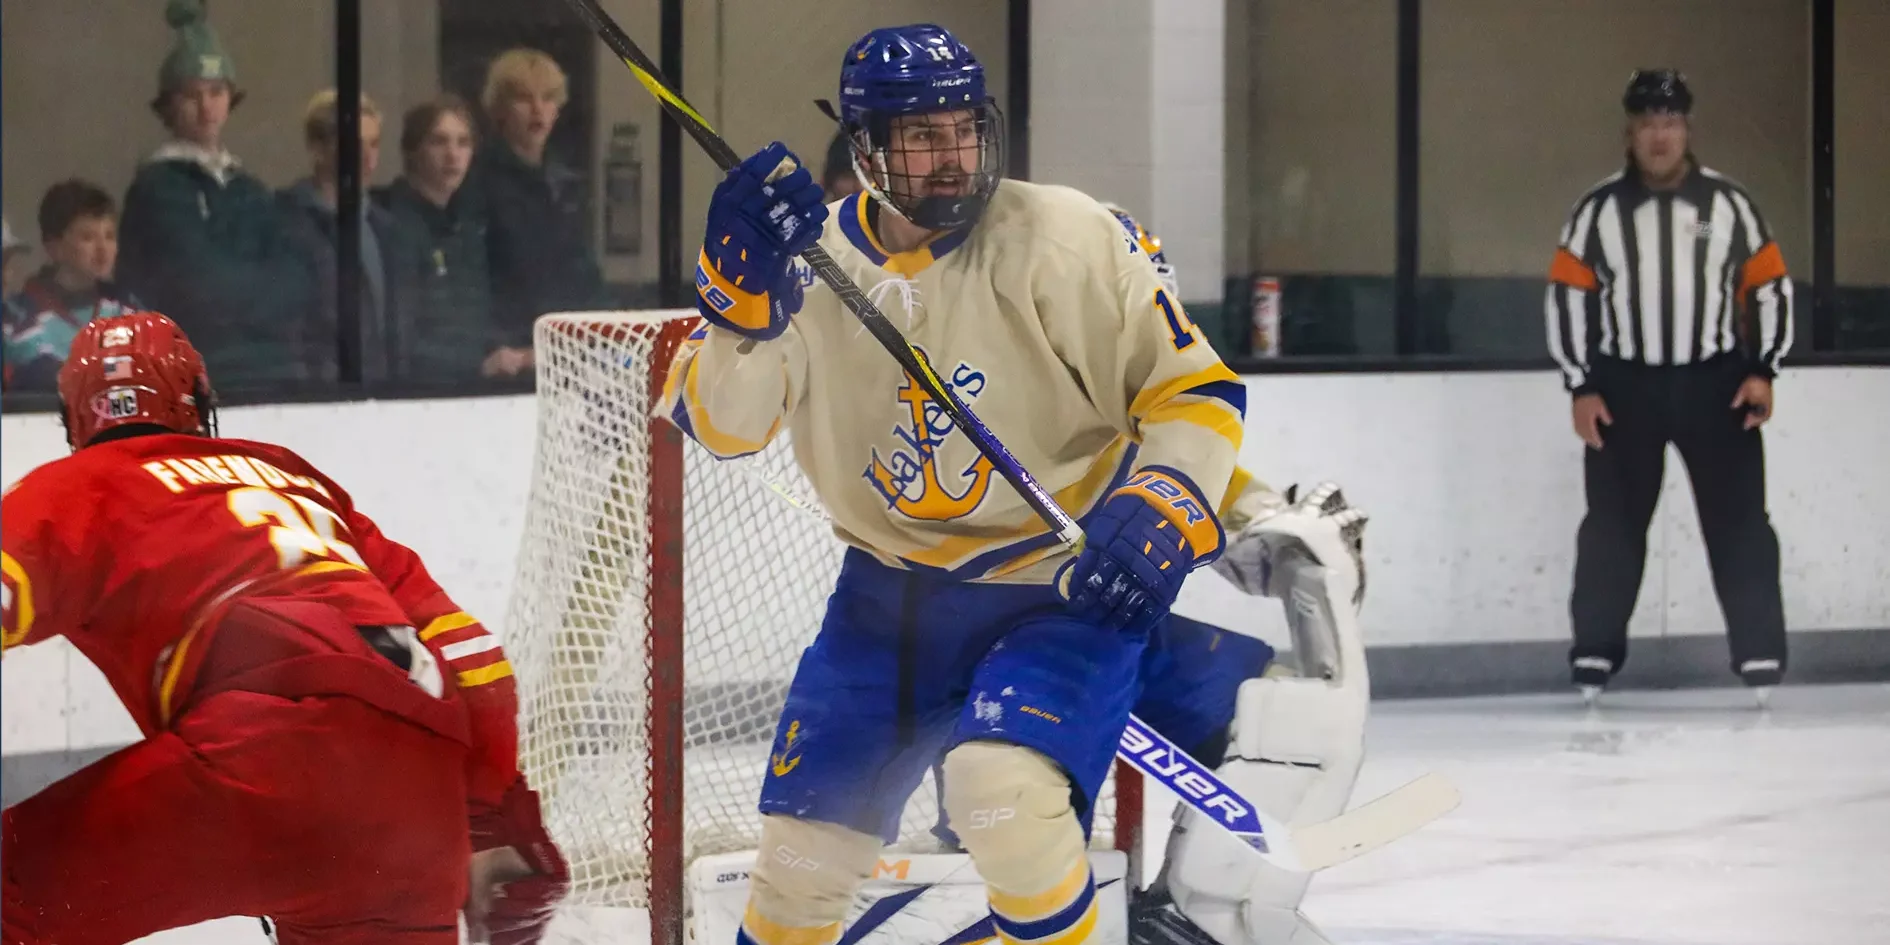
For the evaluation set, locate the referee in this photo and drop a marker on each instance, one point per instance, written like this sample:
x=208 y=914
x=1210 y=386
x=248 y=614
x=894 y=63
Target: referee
x=1668 y=311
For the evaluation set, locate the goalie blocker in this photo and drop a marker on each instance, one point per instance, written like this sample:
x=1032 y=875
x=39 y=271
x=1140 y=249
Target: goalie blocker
x=1294 y=748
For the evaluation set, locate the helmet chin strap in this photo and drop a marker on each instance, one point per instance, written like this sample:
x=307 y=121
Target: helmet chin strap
x=871 y=181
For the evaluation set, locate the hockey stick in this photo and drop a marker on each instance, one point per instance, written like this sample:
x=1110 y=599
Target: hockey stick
x=1303 y=849
x=882 y=329
x=1158 y=759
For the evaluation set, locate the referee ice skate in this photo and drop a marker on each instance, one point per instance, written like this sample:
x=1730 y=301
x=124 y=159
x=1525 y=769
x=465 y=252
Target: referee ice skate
x=1668 y=311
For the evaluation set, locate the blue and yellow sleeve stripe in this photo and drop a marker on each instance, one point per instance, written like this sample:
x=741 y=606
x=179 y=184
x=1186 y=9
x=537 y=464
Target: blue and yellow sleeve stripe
x=1213 y=398
x=681 y=389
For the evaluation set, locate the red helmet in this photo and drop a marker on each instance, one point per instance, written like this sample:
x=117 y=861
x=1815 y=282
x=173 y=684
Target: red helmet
x=137 y=368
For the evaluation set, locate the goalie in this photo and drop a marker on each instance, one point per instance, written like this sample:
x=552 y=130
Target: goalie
x=1289 y=742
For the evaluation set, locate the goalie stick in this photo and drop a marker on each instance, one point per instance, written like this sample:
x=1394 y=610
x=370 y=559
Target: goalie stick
x=1306 y=848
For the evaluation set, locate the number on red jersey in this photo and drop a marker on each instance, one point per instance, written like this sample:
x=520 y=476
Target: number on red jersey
x=299 y=527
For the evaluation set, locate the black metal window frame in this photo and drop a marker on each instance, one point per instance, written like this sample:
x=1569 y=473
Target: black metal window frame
x=672 y=287
x=1405 y=314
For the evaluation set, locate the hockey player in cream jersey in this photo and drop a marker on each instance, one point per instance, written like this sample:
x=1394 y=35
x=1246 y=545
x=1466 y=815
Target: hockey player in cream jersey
x=946 y=635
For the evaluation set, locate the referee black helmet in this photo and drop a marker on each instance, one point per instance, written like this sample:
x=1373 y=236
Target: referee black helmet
x=1657 y=90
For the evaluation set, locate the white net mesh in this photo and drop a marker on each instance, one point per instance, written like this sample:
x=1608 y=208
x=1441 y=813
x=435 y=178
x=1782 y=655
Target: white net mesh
x=758 y=561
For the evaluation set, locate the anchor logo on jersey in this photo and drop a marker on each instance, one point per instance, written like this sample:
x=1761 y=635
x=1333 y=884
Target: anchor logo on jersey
x=908 y=477
x=781 y=764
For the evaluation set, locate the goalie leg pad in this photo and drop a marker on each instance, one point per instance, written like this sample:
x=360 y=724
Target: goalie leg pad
x=805 y=875
x=1298 y=746
x=1011 y=808
x=1298 y=743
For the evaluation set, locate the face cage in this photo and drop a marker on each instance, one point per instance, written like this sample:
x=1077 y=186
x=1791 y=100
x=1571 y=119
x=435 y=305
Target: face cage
x=872 y=152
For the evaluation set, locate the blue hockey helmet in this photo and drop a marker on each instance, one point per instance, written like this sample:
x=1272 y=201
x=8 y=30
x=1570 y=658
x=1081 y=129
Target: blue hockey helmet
x=937 y=173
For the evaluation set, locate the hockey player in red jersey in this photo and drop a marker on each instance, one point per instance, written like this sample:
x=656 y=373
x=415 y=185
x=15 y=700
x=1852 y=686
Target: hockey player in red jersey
x=329 y=740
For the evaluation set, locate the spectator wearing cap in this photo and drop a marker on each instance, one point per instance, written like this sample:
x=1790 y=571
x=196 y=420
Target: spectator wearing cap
x=539 y=238
x=201 y=239
x=1657 y=267
x=78 y=223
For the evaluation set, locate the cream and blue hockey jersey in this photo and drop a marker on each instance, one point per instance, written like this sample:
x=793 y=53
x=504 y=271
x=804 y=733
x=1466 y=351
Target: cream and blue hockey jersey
x=1045 y=316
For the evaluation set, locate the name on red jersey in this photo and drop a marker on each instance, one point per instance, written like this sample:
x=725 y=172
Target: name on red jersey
x=227 y=470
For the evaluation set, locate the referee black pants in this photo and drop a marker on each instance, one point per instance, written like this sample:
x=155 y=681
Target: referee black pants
x=1690 y=407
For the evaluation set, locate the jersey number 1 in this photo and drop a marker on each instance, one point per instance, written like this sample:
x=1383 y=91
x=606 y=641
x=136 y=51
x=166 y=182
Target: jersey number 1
x=1180 y=329
x=300 y=528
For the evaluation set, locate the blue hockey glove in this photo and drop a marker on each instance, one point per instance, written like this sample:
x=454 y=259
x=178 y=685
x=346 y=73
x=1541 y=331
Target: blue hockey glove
x=1138 y=549
x=743 y=280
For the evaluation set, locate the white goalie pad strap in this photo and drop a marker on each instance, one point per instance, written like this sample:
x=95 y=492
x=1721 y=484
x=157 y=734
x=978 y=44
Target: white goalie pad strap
x=1297 y=746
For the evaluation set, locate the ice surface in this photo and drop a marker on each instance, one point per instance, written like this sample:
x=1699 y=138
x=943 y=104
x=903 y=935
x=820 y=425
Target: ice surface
x=1673 y=817
x=1670 y=818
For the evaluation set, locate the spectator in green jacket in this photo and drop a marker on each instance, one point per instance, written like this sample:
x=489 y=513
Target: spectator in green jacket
x=201 y=239
x=540 y=238
x=437 y=267
x=78 y=222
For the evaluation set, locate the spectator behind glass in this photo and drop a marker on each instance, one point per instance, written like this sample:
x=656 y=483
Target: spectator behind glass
x=308 y=212
x=539 y=243
x=78 y=222
x=437 y=265
x=13 y=258
x=201 y=240
x=837 y=177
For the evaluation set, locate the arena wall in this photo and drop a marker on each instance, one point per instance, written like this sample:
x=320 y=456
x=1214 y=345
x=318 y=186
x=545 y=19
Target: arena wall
x=1473 y=481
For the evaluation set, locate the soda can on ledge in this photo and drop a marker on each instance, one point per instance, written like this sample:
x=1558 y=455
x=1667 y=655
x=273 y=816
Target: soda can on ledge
x=1266 y=317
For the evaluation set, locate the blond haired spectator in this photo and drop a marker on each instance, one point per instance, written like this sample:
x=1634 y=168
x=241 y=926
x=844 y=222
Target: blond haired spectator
x=200 y=239
x=539 y=238
x=309 y=211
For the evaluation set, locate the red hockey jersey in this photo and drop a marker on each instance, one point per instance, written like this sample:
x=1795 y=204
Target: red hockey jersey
x=131 y=549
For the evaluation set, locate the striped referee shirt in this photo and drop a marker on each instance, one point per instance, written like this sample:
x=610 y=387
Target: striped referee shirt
x=1663 y=277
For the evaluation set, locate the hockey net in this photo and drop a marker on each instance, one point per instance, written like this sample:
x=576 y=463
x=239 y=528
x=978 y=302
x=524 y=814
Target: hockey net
x=661 y=601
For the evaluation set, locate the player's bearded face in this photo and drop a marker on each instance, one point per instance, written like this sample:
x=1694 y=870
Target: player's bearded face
x=933 y=155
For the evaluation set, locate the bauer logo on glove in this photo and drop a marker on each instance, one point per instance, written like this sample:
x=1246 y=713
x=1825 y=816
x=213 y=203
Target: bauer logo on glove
x=1139 y=547
x=1189 y=514
x=764 y=213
